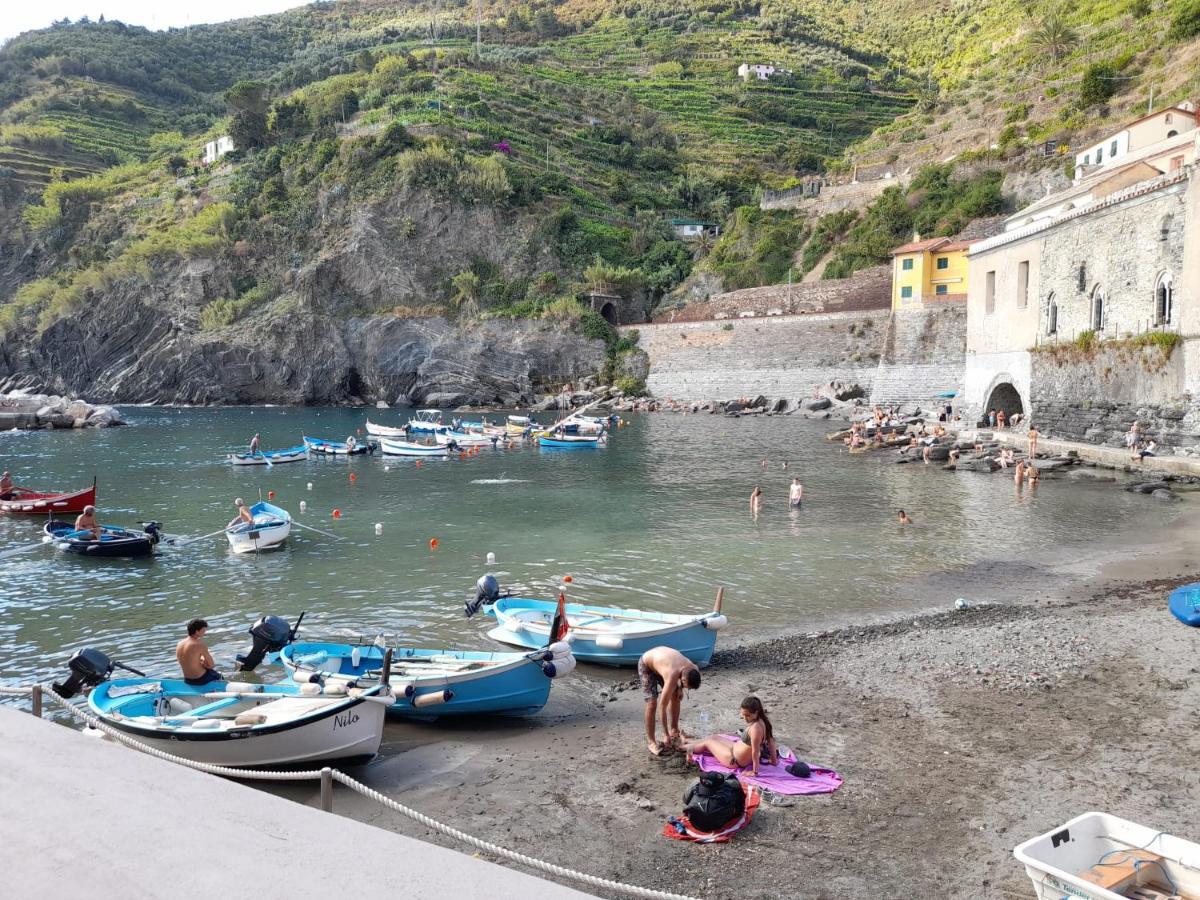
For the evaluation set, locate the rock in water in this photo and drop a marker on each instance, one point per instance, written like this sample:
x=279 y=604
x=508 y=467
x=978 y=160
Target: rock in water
x=1165 y=494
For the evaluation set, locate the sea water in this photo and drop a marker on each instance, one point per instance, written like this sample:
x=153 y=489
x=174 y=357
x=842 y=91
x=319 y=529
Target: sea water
x=659 y=519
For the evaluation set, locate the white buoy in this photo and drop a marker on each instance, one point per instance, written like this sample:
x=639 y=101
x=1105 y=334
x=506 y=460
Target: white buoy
x=387 y=468
x=303 y=506
x=960 y=603
x=379 y=528
x=310 y=485
x=491 y=559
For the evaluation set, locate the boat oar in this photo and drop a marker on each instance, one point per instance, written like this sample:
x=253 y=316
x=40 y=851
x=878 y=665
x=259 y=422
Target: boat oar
x=317 y=530
x=266 y=459
x=17 y=551
x=202 y=537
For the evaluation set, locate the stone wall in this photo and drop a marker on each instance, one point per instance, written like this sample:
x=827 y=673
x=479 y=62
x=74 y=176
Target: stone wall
x=869 y=289
x=923 y=355
x=1096 y=398
x=784 y=356
x=833 y=197
x=1123 y=251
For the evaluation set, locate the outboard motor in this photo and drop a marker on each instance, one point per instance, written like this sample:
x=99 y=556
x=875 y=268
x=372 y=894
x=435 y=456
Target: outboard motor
x=271 y=634
x=88 y=668
x=487 y=590
x=153 y=531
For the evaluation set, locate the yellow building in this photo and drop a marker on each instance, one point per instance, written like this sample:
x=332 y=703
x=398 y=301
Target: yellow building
x=932 y=271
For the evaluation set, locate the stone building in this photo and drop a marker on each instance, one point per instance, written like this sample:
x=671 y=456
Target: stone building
x=1060 y=305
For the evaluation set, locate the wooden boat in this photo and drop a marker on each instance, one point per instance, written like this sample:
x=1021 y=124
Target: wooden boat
x=26 y=501
x=239 y=724
x=427 y=420
x=584 y=425
x=338 y=448
x=385 y=430
x=1184 y=604
x=114 y=543
x=275 y=457
x=462 y=439
x=432 y=684
x=486 y=429
x=571 y=441
x=1097 y=856
x=270 y=528
x=408 y=448
x=519 y=426
x=600 y=634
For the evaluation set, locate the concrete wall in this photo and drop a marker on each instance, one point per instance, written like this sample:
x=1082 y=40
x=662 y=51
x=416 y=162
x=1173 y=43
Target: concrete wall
x=923 y=355
x=784 y=356
x=1012 y=324
x=833 y=197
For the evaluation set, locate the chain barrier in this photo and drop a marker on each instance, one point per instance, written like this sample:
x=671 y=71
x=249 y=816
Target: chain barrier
x=357 y=786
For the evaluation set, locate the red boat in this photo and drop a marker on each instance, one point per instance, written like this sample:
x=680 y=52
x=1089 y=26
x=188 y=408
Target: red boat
x=24 y=501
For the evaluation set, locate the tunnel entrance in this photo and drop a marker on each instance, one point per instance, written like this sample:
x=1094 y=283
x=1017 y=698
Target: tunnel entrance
x=1004 y=397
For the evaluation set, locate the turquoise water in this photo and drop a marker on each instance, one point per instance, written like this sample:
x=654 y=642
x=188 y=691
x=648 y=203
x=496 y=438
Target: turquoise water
x=658 y=520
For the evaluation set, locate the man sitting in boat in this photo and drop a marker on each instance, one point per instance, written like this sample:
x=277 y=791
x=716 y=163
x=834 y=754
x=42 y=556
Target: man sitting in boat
x=663 y=672
x=351 y=442
x=86 y=521
x=244 y=514
x=6 y=487
x=193 y=656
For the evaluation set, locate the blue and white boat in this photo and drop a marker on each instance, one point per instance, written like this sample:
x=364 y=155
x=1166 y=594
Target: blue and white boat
x=269 y=529
x=274 y=457
x=385 y=430
x=606 y=635
x=240 y=724
x=348 y=447
x=464 y=439
x=571 y=442
x=427 y=420
x=391 y=447
x=431 y=684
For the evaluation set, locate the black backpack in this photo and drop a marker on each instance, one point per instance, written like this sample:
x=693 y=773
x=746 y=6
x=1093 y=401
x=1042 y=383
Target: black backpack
x=714 y=800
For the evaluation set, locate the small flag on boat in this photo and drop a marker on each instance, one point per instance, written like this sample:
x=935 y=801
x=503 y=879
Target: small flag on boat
x=560 y=625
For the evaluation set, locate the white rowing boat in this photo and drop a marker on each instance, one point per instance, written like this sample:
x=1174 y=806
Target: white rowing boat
x=270 y=528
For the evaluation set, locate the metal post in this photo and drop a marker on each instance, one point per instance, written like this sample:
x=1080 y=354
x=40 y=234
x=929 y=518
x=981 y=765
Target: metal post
x=36 y=696
x=327 y=789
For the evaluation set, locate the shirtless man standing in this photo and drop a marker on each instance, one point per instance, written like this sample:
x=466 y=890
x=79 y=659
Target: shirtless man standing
x=6 y=487
x=86 y=521
x=193 y=656
x=795 y=494
x=664 y=672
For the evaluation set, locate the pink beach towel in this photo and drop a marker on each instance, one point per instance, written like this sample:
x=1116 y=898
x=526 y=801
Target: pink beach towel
x=775 y=778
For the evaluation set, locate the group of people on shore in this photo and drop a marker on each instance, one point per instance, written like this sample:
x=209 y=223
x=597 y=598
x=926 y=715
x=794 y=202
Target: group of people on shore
x=1138 y=445
x=665 y=674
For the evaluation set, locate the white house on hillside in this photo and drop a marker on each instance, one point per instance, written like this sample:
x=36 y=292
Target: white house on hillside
x=1136 y=137
x=214 y=150
x=761 y=71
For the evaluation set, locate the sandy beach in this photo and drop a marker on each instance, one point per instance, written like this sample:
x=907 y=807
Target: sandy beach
x=959 y=735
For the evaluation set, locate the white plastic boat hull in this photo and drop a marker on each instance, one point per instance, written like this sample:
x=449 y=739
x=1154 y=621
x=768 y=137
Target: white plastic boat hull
x=259 y=539
x=384 y=430
x=408 y=448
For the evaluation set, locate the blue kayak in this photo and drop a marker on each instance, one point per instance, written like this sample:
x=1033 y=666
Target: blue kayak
x=1184 y=604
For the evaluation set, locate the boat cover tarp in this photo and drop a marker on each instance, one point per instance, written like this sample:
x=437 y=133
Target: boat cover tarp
x=776 y=778
x=685 y=831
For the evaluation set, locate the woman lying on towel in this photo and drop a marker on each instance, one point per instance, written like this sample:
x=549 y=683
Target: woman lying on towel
x=756 y=743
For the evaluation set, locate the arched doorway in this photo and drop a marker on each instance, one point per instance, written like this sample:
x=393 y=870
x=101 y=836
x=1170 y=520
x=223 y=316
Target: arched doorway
x=1164 y=299
x=609 y=311
x=1097 y=310
x=1004 y=397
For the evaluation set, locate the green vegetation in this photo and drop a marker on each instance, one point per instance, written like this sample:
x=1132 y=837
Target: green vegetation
x=1185 y=24
x=756 y=248
x=1098 y=84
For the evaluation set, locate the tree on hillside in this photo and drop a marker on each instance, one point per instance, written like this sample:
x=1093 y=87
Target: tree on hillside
x=1054 y=37
x=466 y=287
x=1098 y=84
x=247 y=103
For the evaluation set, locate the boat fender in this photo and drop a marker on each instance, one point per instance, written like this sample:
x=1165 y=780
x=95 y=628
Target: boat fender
x=714 y=623
x=310 y=690
x=403 y=689
x=560 y=648
x=432 y=699
x=241 y=687
x=356 y=657
x=177 y=707
x=610 y=642
x=336 y=688
x=570 y=638
x=549 y=669
x=207 y=723
x=560 y=667
x=303 y=677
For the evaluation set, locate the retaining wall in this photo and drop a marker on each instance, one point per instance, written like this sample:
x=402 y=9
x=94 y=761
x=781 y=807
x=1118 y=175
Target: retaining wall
x=834 y=197
x=924 y=354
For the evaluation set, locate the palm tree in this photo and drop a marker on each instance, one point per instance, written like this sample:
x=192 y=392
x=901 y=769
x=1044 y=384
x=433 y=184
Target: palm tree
x=1054 y=36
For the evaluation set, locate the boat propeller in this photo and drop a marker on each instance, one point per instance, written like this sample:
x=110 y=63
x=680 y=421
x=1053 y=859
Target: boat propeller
x=271 y=634
x=89 y=667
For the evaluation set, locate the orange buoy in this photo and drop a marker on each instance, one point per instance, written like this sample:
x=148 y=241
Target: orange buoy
x=568 y=579
x=337 y=513
x=433 y=543
x=270 y=495
x=353 y=477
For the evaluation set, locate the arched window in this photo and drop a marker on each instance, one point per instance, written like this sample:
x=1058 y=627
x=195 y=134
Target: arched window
x=1082 y=277
x=1164 y=229
x=1051 y=315
x=1164 y=299
x=1097 y=309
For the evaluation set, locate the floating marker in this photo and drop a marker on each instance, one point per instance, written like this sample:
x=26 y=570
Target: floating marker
x=310 y=485
x=387 y=468
x=337 y=513
x=270 y=495
x=491 y=559
x=568 y=579
x=379 y=528
x=433 y=543
x=303 y=506
x=353 y=477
